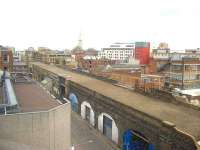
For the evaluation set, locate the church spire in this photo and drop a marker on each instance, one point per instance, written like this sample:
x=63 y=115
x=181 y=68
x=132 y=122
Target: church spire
x=80 y=40
x=79 y=44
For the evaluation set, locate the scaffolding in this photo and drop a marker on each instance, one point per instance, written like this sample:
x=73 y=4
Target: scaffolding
x=184 y=73
x=149 y=82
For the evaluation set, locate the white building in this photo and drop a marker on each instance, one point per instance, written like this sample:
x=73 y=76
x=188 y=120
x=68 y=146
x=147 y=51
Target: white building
x=17 y=56
x=193 y=51
x=118 y=51
x=166 y=54
x=161 y=53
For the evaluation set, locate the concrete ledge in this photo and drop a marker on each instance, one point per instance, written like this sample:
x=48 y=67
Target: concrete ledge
x=168 y=124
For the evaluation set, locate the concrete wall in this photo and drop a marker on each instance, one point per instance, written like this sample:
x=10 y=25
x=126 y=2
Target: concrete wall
x=47 y=130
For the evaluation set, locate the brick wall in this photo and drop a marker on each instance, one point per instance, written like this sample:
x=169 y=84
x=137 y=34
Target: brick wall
x=160 y=134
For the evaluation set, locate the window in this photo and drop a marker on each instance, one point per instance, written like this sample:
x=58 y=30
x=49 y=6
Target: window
x=5 y=58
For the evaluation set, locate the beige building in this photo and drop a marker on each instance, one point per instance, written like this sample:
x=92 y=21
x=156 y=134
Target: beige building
x=49 y=56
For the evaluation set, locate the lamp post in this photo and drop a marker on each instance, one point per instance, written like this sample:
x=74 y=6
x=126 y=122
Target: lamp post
x=77 y=145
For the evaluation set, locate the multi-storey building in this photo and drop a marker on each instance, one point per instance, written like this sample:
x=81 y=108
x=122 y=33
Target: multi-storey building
x=49 y=56
x=162 y=56
x=118 y=51
x=40 y=54
x=56 y=58
x=193 y=51
x=92 y=64
x=122 y=52
x=142 y=52
x=20 y=67
x=6 y=58
x=161 y=53
x=184 y=73
x=17 y=56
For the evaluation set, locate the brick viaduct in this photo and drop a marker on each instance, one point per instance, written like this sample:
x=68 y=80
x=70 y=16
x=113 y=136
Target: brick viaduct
x=162 y=134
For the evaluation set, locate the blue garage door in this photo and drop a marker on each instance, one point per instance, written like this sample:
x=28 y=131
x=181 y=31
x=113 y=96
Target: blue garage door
x=74 y=102
x=134 y=141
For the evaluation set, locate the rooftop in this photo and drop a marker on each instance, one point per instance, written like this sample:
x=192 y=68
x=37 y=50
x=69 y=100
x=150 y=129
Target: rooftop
x=192 y=92
x=185 y=118
x=31 y=97
x=126 y=66
x=121 y=45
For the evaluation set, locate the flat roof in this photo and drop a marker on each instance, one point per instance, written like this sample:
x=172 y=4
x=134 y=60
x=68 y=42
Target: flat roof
x=185 y=118
x=31 y=98
x=192 y=92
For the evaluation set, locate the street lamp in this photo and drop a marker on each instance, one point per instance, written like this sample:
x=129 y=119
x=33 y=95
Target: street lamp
x=77 y=145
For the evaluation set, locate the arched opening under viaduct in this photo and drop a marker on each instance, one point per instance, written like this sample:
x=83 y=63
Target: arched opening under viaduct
x=133 y=140
x=108 y=127
x=87 y=112
x=74 y=102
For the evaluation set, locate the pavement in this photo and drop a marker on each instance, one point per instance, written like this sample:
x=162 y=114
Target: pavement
x=85 y=137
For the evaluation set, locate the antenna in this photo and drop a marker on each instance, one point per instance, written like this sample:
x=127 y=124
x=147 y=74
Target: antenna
x=80 y=39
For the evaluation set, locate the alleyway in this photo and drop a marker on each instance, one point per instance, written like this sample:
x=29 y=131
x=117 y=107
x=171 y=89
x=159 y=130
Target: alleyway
x=85 y=137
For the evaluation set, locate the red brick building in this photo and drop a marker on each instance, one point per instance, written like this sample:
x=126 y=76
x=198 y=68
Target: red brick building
x=6 y=58
x=92 y=64
x=80 y=53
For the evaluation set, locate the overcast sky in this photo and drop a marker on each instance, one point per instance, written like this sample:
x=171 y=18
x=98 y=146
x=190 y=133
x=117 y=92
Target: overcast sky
x=57 y=23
